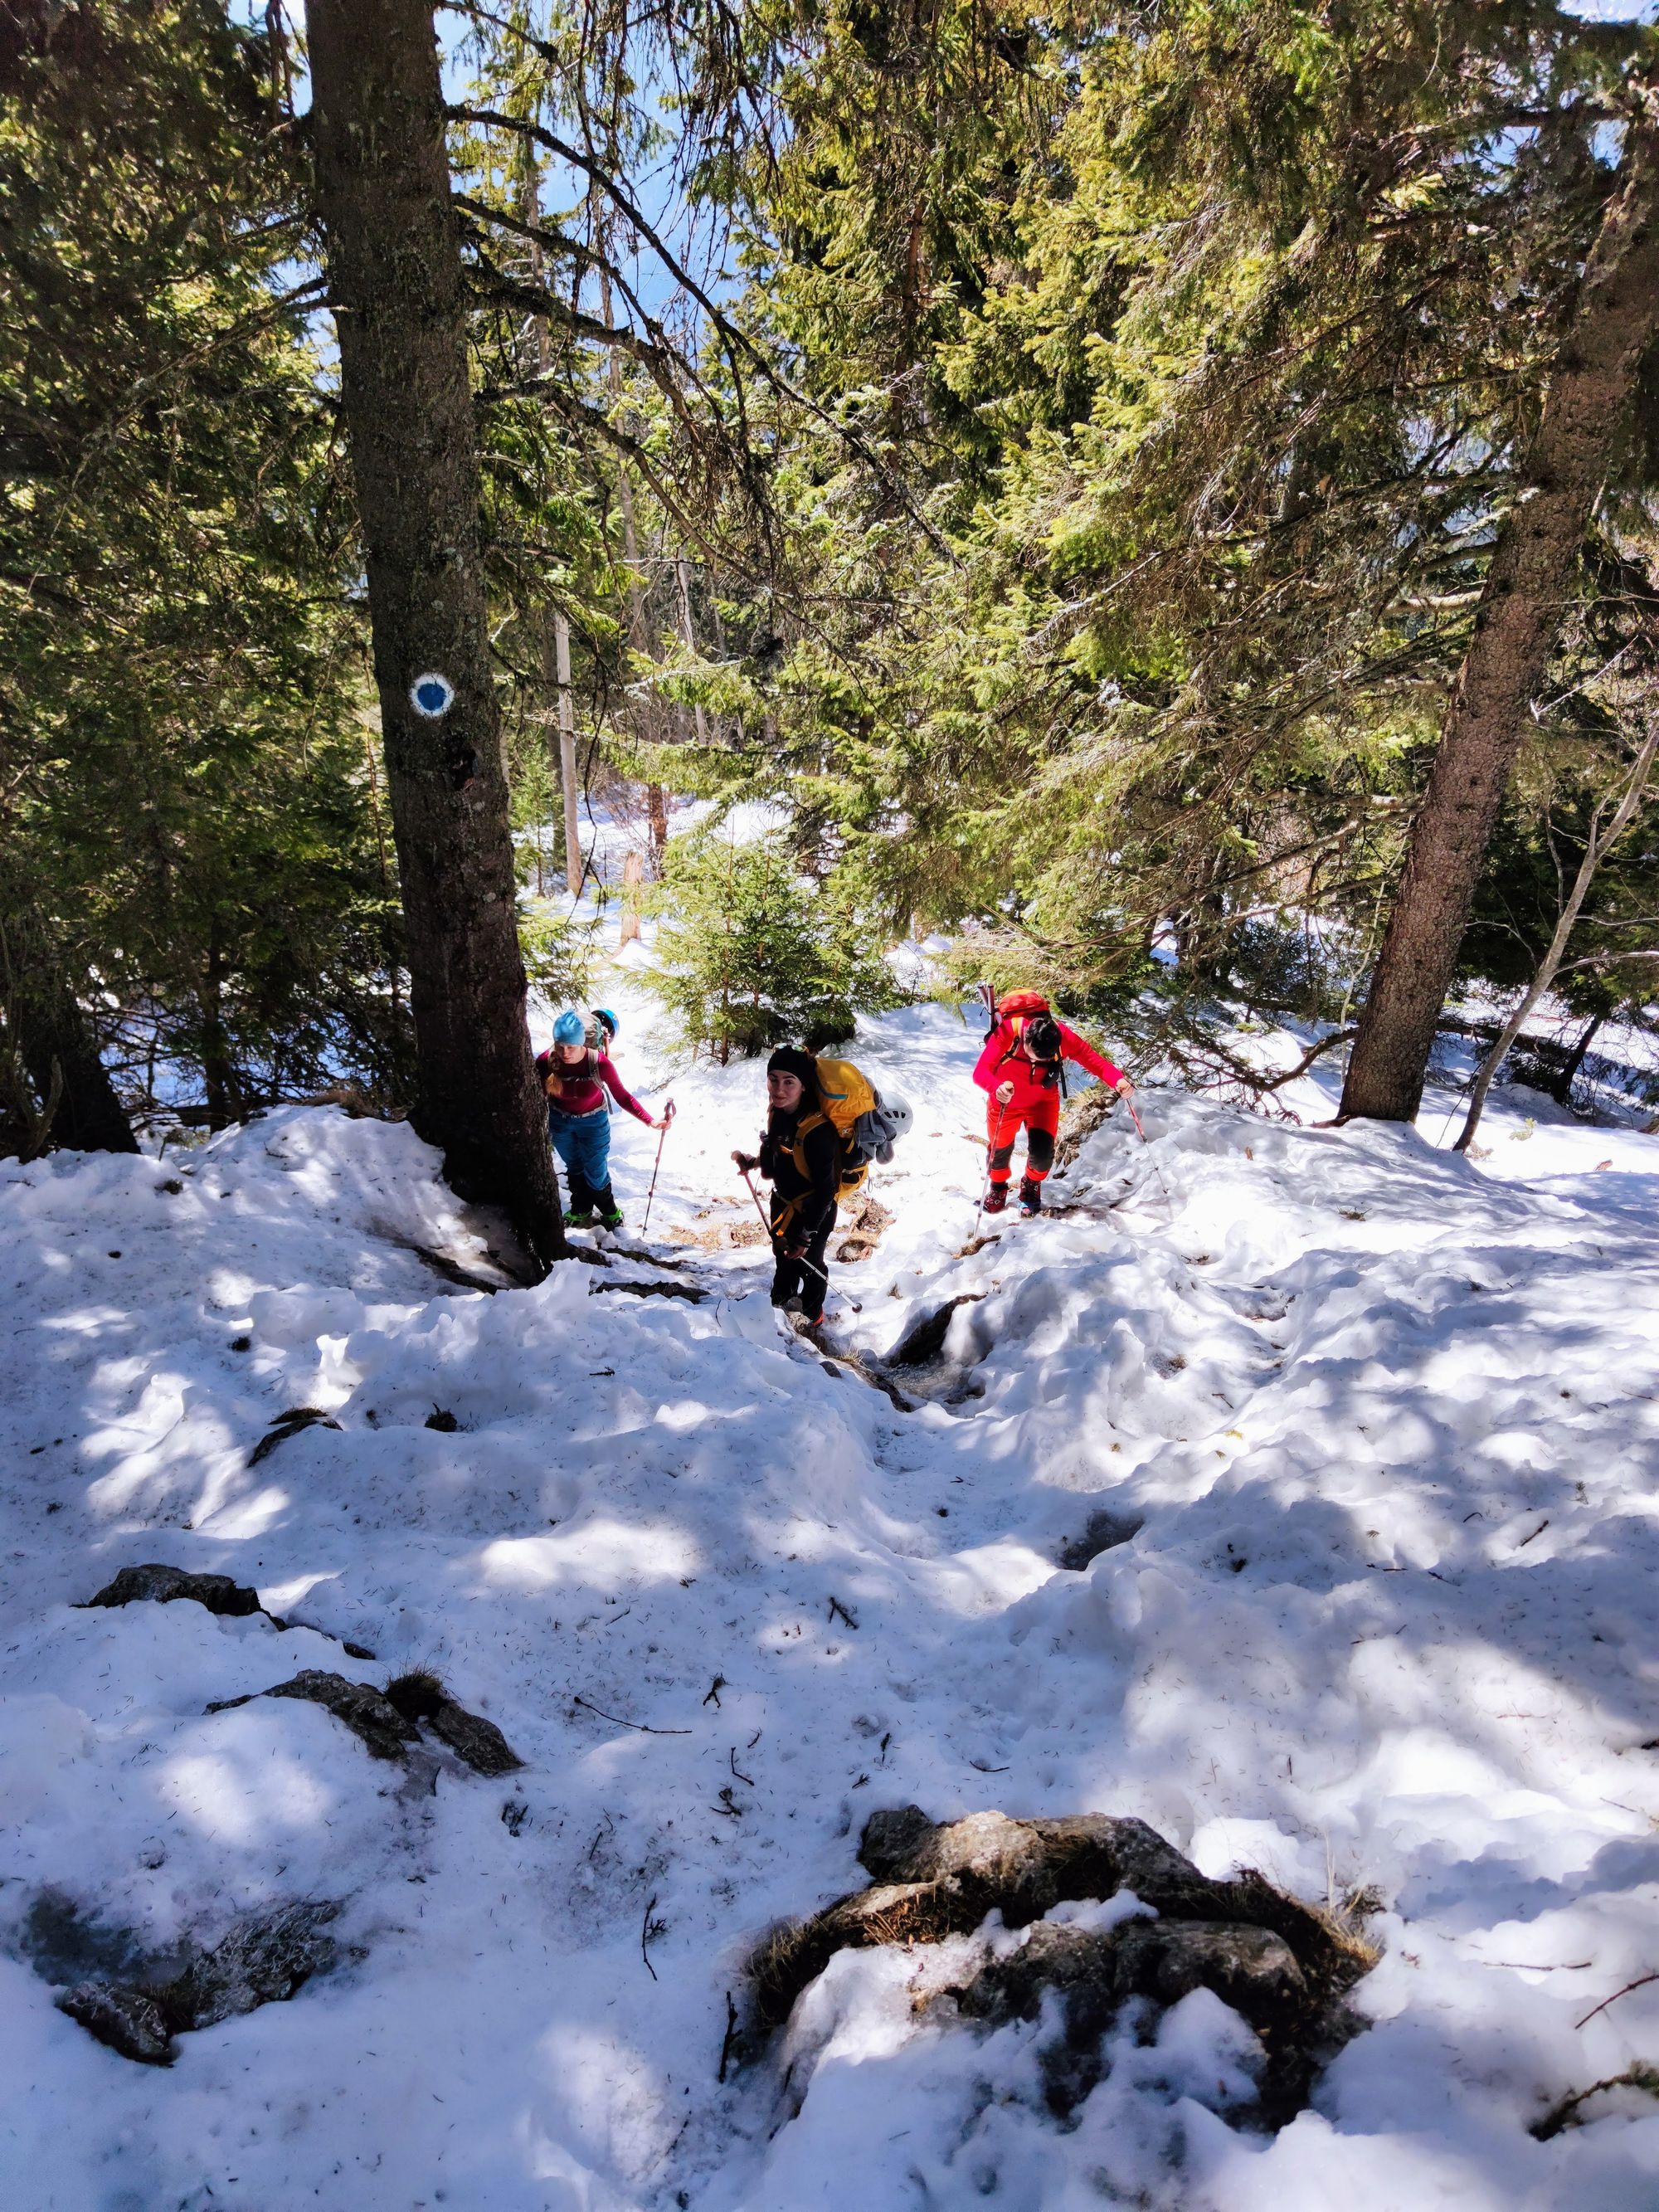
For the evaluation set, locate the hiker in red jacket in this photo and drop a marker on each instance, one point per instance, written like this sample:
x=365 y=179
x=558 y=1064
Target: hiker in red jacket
x=1020 y=1066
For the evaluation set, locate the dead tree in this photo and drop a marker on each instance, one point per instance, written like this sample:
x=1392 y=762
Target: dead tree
x=1602 y=836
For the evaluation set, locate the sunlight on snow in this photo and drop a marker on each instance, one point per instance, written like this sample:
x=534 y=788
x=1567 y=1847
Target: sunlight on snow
x=598 y=1554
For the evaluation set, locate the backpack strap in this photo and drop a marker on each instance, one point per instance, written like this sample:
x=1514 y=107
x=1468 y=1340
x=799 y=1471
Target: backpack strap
x=797 y=1147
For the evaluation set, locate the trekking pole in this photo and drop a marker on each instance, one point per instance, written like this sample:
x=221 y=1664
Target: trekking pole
x=985 y=1185
x=1147 y=1140
x=667 y=1116
x=772 y=1234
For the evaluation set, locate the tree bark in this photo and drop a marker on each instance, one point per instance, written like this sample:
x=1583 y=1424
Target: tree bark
x=395 y=270
x=574 y=870
x=1561 y=1088
x=1526 y=588
x=54 y=1041
x=224 y=1098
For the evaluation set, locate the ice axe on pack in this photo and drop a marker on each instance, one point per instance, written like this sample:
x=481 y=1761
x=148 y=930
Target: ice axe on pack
x=667 y=1116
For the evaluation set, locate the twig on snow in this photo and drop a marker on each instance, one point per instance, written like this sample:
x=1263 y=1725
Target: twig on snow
x=1640 y=1982
x=639 y=1727
x=736 y=1771
x=650 y=1928
x=713 y=1695
x=731 y=2036
x=836 y=1607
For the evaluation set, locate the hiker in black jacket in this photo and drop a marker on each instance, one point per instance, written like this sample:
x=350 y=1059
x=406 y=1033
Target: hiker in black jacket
x=801 y=1156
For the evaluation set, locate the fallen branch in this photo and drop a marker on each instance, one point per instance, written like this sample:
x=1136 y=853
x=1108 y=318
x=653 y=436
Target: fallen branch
x=1640 y=1982
x=648 y=1928
x=638 y=1726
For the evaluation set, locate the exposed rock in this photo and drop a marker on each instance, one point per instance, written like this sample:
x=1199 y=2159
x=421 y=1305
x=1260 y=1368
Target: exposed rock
x=1250 y=1968
x=925 y=1338
x=1095 y=1971
x=1282 y=1964
x=479 y=1742
x=261 y=1961
x=1101 y=1532
x=891 y=1836
x=289 y=1424
x=1025 y=1867
x=165 y=1585
x=372 y=1718
x=128 y=2020
x=65 y=1944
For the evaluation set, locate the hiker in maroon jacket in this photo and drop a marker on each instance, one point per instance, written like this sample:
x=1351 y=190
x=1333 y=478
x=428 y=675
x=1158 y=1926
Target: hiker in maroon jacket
x=1020 y=1067
x=576 y=1078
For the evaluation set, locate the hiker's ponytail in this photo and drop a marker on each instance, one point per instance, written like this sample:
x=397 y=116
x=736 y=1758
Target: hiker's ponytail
x=560 y=1072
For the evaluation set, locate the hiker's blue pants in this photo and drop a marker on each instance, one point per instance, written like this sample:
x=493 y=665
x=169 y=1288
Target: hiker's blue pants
x=582 y=1141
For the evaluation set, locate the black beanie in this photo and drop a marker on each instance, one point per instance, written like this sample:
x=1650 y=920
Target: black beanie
x=788 y=1060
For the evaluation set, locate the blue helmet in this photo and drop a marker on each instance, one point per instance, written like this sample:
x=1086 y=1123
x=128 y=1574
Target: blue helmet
x=603 y=1014
x=569 y=1029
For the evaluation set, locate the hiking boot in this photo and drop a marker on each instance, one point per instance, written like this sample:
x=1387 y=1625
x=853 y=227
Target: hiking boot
x=996 y=1198
x=579 y=1217
x=1031 y=1198
x=610 y=1217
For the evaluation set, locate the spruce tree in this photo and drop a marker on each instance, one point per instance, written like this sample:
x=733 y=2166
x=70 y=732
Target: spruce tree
x=395 y=265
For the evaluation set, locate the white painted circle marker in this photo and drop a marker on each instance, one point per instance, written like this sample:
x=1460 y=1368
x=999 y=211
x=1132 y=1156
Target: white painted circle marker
x=432 y=696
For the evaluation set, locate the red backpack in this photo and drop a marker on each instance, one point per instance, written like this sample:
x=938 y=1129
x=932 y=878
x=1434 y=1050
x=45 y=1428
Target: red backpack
x=1034 y=1024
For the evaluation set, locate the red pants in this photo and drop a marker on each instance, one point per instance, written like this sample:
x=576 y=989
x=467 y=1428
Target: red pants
x=1041 y=1120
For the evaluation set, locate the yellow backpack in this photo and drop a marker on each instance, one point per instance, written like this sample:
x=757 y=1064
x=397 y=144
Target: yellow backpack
x=846 y=1093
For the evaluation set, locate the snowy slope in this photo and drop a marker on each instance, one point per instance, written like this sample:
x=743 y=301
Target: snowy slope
x=1377 y=1429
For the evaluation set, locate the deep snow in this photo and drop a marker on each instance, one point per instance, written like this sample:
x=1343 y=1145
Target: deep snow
x=1386 y=1421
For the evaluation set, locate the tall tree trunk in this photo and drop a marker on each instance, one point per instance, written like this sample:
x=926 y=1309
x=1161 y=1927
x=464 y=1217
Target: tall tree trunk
x=395 y=268
x=1526 y=585
x=1561 y=1088
x=49 y=1038
x=639 y=634
x=224 y=1101
x=575 y=872
x=555 y=624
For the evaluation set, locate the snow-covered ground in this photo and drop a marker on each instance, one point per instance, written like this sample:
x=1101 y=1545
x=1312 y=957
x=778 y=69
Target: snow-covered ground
x=1378 y=1427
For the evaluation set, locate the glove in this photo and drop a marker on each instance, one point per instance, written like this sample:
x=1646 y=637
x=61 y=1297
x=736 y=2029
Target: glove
x=745 y=1161
x=794 y=1251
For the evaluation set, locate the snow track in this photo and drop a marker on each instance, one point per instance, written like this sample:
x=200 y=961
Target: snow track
x=1370 y=1440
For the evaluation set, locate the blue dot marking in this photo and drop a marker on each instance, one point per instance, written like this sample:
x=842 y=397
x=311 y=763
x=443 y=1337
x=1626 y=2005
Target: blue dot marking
x=432 y=696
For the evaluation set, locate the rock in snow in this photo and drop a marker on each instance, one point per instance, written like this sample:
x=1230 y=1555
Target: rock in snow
x=166 y=1585
x=372 y=1718
x=260 y=1962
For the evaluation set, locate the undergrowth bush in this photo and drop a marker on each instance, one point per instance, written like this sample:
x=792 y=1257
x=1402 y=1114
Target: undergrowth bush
x=751 y=954
x=558 y=956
